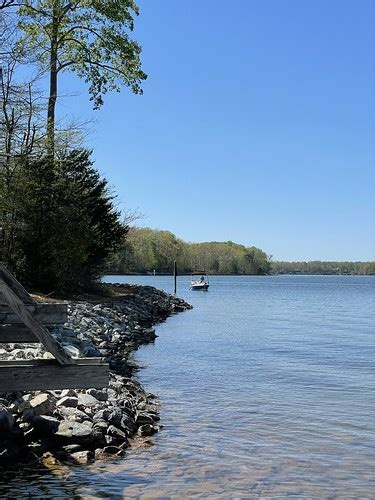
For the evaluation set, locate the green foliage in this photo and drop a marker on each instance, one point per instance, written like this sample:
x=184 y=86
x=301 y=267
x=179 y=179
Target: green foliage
x=90 y=38
x=61 y=236
x=146 y=250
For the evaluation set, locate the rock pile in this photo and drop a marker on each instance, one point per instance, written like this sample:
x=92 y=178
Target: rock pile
x=82 y=425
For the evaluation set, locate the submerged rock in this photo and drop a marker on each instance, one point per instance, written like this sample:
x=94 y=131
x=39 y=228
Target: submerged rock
x=146 y=430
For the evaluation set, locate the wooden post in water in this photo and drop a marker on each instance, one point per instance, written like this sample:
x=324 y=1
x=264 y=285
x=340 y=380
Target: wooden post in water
x=175 y=277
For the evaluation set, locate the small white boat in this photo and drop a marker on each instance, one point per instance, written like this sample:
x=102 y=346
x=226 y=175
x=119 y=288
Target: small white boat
x=199 y=284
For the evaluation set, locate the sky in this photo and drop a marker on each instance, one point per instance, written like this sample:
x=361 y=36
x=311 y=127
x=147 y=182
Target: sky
x=257 y=125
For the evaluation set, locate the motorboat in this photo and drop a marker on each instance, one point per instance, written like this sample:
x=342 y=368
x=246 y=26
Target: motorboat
x=199 y=284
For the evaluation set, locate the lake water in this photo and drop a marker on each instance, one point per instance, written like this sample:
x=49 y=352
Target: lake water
x=267 y=389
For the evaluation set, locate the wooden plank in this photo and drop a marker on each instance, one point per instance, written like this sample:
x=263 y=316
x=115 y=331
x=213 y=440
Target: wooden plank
x=47 y=314
x=32 y=323
x=15 y=285
x=16 y=333
x=46 y=375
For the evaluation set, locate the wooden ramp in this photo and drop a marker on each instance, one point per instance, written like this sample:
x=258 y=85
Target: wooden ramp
x=22 y=319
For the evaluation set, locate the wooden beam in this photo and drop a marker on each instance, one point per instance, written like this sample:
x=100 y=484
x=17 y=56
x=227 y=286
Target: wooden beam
x=15 y=285
x=47 y=314
x=51 y=345
x=16 y=333
x=45 y=375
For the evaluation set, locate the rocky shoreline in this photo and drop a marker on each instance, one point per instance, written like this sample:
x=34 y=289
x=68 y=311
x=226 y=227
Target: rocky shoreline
x=81 y=426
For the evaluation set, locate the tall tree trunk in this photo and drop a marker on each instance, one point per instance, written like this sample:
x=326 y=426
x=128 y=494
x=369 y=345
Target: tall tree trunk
x=52 y=87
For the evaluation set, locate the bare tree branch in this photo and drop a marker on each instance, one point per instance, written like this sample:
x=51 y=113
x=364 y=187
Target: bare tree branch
x=7 y=3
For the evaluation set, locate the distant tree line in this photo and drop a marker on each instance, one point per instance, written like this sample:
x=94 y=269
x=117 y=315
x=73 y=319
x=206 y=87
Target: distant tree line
x=321 y=267
x=146 y=250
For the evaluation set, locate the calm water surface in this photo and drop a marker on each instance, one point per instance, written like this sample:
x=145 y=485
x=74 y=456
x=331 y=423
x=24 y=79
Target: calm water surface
x=267 y=389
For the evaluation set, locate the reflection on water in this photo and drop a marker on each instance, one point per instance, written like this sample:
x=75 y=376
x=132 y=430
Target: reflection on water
x=267 y=389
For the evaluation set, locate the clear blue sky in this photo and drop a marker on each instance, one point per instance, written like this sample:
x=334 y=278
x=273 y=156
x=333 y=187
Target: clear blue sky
x=257 y=125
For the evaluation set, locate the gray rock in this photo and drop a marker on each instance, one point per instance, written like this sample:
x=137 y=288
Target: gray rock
x=127 y=424
x=99 y=395
x=47 y=355
x=71 y=350
x=68 y=402
x=116 y=433
x=91 y=352
x=103 y=414
x=43 y=404
x=86 y=400
x=144 y=418
x=67 y=392
x=146 y=430
x=82 y=457
x=75 y=430
x=115 y=417
x=112 y=450
x=45 y=424
x=103 y=426
x=109 y=440
x=112 y=395
x=72 y=414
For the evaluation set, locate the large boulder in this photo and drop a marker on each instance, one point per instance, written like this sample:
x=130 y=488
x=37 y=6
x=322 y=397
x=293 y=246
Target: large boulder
x=79 y=432
x=74 y=430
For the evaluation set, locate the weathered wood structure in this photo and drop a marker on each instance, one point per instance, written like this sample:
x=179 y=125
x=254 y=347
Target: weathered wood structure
x=22 y=319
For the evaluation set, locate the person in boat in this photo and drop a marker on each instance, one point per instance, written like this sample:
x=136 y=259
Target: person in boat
x=202 y=280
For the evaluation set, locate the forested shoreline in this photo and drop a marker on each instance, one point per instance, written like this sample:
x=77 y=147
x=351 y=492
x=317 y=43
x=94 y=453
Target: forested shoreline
x=147 y=250
x=324 y=267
